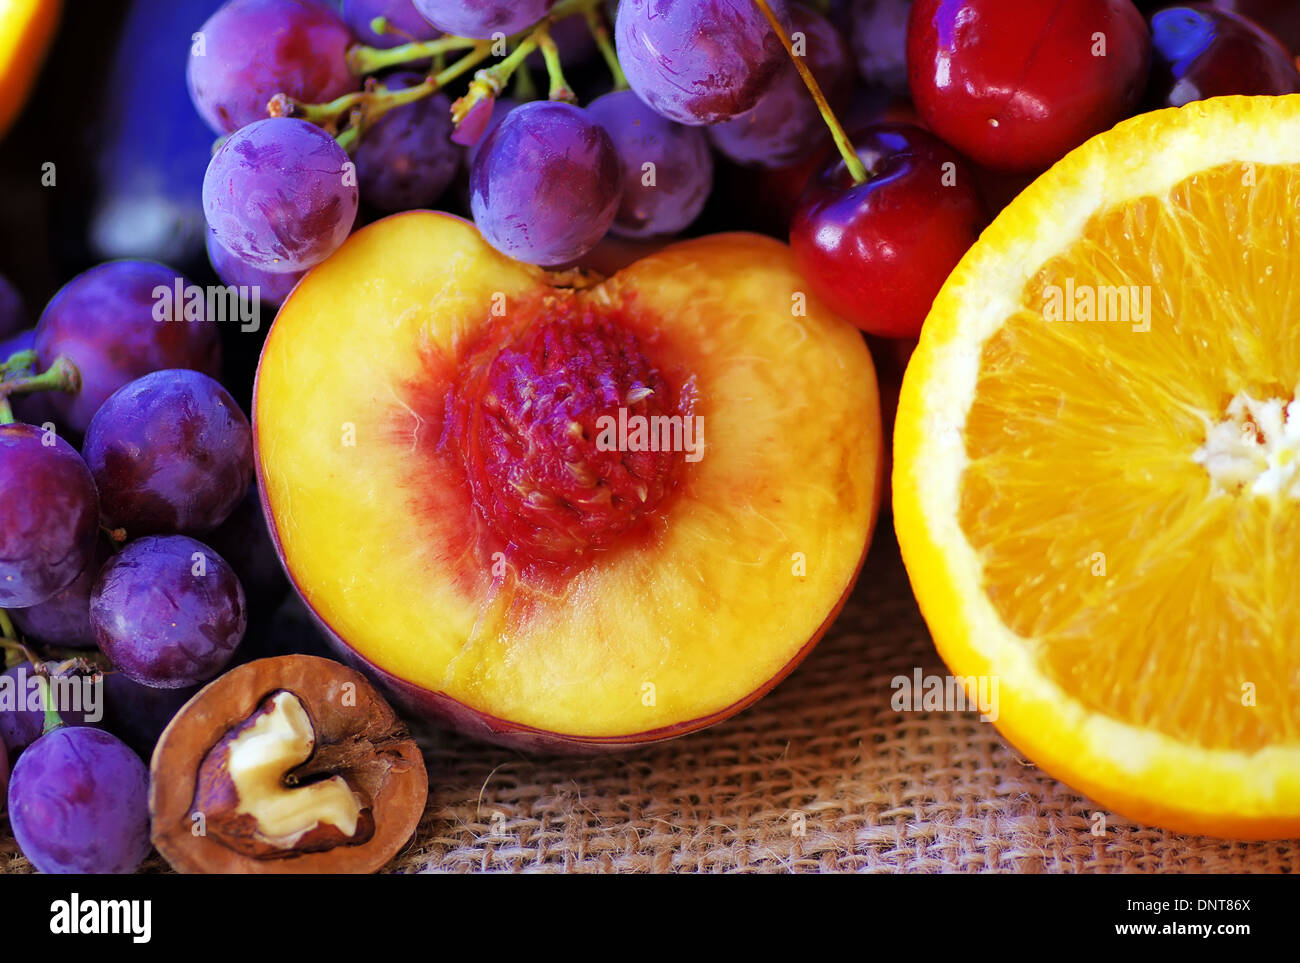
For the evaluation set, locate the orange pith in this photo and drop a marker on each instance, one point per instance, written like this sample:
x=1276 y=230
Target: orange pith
x=1151 y=597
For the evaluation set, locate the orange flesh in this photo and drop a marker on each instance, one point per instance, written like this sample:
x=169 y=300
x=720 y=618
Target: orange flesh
x=712 y=596
x=1159 y=592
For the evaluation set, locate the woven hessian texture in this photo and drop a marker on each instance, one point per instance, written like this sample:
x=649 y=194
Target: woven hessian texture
x=821 y=776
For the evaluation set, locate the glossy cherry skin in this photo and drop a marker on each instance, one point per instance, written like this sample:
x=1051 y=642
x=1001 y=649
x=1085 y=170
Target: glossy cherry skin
x=877 y=253
x=1199 y=51
x=1016 y=86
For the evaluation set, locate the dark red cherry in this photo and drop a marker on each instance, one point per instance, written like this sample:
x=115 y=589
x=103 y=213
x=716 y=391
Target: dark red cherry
x=1199 y=51
x=1017 y=85
x=877 y=253
x=1279 y=17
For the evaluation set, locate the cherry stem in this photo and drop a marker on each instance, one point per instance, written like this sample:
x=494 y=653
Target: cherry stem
x=851 y=159
x=600 y=33
x=62 y=375
x=8 y=634
x=6 y=411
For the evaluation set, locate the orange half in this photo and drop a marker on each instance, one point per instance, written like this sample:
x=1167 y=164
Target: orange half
x=1097 y=468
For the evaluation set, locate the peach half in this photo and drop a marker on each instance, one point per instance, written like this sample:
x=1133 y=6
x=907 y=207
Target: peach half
x=562 y=513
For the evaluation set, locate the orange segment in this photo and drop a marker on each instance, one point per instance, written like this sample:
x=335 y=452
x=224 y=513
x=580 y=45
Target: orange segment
x=1097 y=482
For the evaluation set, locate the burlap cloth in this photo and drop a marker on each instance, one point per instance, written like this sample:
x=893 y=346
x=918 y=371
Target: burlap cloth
x=821 y=776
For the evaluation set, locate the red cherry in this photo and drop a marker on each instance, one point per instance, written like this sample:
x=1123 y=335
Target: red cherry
x=877 y=253
x=1200 y=51
x=1016 y=86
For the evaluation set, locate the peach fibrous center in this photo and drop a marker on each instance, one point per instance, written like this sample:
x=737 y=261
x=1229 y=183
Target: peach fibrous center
x=553 y=417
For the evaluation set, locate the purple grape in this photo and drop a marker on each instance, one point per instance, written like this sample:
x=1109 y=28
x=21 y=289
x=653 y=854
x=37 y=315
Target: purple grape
x=22 y=702
x=682 y=172
x=405 y=25
x=406 y=160
x=119 y=321
x=64 y=619
x=500 y=107
x=785 y=126
x=171 y=452
x=699 y=61
x=79 y=803
x=49 y=515
x=13 y=343
x=547 y=183
x=137 y=714
x=13 y=316
x=244 y=541
x=280 y=195
x=168 y=611
x=483 y=18
x=266 y=287
x=879 y=42
x=251 y=50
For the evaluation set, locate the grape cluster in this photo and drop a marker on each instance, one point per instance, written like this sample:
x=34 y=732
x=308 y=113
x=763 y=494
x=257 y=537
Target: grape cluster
x=105 y=552
x=332 y=116
x=546 y=180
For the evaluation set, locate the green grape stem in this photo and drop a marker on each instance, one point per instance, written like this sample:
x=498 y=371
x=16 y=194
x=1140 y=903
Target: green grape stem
x=18 y=361
x=62 y=375
x=490 y=82
x=52 y=719
x=842 y=142
x=600 y=33
x=525 y=90
x=560 y=89
x=382 y=100
x=16 y=653
x=349 y=116
x=368 y=60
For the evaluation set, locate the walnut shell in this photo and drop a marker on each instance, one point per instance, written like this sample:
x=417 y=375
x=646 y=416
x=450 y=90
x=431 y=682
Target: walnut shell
x=357 y=737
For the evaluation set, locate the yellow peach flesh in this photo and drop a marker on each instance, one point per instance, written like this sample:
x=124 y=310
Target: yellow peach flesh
x=753 y=555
